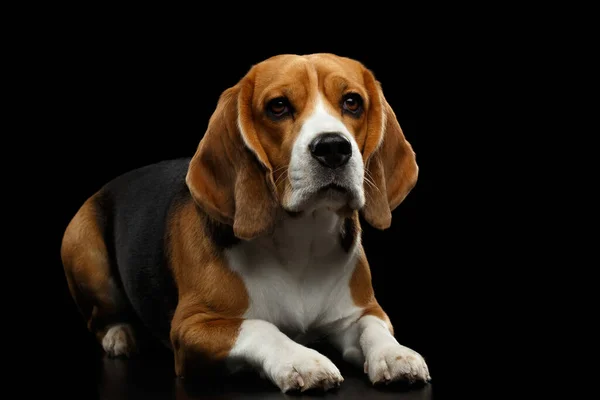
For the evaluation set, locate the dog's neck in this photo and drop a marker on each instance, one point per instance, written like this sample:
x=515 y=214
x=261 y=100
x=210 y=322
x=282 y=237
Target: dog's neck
x=315 y=232
x=305 y=238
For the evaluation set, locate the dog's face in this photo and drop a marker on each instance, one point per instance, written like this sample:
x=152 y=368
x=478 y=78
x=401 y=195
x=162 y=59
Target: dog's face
x=301 y=132
x=312 y=115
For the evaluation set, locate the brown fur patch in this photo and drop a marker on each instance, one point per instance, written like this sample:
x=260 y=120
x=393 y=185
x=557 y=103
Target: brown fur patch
x=225 y=177
x=362 y=292
x=87 y=269
x=389 y=160
x=212 y=298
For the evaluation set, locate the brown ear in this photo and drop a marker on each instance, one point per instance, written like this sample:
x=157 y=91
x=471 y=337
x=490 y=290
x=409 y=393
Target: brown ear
x=391 y=166
x=229 y=177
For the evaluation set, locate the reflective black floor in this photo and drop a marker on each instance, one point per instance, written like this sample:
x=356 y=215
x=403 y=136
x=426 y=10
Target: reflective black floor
x=151 y=377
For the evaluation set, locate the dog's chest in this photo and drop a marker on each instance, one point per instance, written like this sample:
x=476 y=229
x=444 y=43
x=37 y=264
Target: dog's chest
x=298 y=279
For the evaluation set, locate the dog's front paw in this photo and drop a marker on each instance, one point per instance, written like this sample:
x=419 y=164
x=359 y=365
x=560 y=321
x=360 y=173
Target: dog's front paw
x=304 y=369
x=394 y=362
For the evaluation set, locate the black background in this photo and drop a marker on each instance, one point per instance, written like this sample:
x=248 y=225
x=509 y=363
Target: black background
x=120 y=95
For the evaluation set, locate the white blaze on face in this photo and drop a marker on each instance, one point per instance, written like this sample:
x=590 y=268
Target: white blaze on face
x=307 y=176
x=321 y=121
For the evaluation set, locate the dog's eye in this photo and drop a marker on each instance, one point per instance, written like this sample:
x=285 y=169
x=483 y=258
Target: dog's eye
x=278 y=107
x=352 y=103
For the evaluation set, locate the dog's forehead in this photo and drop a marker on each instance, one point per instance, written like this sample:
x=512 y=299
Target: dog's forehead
x=291 y=68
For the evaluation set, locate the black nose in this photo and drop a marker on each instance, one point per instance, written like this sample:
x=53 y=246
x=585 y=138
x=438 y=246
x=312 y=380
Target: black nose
x=331 y=149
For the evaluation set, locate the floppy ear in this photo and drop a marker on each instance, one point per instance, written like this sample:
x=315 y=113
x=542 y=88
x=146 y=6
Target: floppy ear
x=390 y=165
x=230 y=176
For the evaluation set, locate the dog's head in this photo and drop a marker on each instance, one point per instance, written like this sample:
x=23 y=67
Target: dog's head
x=299 y=133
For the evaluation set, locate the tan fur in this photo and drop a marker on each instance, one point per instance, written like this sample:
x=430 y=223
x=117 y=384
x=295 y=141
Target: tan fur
x=226 y=180
x=212 y=298
x=87 y=270
x=390 y=160
x=362 y=292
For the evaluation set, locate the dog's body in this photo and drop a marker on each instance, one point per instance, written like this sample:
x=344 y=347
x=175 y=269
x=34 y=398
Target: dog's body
x=252 y=246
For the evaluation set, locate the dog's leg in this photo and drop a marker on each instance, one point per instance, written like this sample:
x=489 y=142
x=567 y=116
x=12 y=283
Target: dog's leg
x=258 y=343
x=370 y=344
x=92 y=284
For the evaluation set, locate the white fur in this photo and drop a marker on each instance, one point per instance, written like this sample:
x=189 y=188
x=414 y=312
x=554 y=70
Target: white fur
x=307 y=176
x=385 y=359
x=119 y=341
x=298 y=284
x=286 y=363
x=298 y=278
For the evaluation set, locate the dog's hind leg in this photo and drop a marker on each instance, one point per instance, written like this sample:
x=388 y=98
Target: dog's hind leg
x=93 y=284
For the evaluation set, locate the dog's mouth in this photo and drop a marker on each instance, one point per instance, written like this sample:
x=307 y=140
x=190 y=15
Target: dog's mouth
x=332 y=195
x=335 y=187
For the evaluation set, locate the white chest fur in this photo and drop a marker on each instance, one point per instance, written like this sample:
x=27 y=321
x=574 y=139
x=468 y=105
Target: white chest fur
x=298 y=278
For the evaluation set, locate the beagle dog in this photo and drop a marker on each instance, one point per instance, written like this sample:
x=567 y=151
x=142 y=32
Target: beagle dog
x=242 y=254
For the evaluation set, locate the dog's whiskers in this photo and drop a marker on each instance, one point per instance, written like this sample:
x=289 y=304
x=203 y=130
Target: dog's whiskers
x=281 y=177
x=369 y=180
